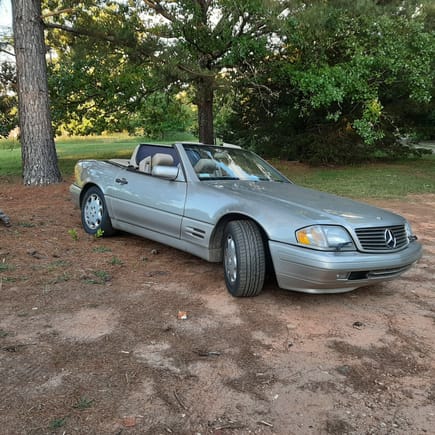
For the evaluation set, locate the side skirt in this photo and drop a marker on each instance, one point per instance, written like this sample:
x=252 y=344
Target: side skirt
x=211 y=255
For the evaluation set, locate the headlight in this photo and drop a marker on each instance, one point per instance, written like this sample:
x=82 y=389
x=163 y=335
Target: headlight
x=327 y=237
x=409 y=234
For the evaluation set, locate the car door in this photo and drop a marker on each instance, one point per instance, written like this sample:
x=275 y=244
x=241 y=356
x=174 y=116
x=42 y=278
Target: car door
x=149 y=202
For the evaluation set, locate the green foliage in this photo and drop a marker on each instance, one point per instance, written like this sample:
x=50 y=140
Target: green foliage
x=83 y=403
x=122 y=65
x=64 y=277
x=101 y=249
x=325 y=82
x=99 y=277
x=384 y=180
x=341 y=86
x=73 y=233
x=58 y=423
x=8 y=98
x=115 y=261
x=101 y=73
x=99 y=233
x=161 y=114
x=6 y=267
x=93 y=93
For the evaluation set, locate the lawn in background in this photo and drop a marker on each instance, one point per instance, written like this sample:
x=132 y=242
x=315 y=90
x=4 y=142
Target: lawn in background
x=373 y=180
x=71 y=149
x=370 y=180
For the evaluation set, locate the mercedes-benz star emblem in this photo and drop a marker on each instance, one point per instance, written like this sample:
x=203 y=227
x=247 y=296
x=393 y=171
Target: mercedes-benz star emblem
x=390 y=240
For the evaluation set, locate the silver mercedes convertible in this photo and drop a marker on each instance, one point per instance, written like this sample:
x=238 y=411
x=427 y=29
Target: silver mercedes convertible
x=223 y=203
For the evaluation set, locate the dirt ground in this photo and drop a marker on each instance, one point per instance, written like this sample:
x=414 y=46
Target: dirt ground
x=91 y=341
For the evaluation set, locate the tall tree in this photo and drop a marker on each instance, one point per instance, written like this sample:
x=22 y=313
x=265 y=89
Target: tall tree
x=344 y=84
x=37 y=142
x=192 y=41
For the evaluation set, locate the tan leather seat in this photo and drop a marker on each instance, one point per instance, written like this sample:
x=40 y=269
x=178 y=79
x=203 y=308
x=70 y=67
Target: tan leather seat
x=161 y=159
x=145 y=165
x=205 y=166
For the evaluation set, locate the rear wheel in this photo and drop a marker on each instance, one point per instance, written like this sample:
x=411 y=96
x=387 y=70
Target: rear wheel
x=244 y=258
x=94 y=213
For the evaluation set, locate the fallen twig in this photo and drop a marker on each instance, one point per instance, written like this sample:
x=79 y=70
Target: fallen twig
x=265 y=423
x=15 y=347
x=232 y=425
x=180 y=402
x=208 y=353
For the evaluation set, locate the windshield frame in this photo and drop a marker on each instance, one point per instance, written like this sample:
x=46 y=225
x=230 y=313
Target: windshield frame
x=214 y=162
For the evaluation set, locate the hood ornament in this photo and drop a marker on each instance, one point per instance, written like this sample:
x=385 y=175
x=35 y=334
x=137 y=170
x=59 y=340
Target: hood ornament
x=390 y=239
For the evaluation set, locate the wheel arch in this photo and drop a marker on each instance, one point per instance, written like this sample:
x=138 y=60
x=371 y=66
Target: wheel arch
x=105 y=223
x=218 y=232
x=85 y=188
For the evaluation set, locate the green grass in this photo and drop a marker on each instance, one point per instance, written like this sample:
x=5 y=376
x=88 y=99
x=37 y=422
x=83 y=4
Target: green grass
x=57 y=423
x=10 y=160
x=374 y=180
x=71 y=149
x=101 y=249
x=99 y=277
x=5 y=267
x=83 y=403
x=115 y=261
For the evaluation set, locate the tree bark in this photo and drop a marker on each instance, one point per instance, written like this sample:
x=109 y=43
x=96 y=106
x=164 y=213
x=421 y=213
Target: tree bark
x=38 y=150
x=204 y=101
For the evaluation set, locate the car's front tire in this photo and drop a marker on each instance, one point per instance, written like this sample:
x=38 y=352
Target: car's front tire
x=244 y=258
x=95 y=217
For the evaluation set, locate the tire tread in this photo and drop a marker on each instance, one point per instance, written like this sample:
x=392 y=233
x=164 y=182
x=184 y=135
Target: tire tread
x=252 y=257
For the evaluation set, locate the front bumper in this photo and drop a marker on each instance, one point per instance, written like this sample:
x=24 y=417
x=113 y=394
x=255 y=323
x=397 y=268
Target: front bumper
x=311 y=271
x=75 y=191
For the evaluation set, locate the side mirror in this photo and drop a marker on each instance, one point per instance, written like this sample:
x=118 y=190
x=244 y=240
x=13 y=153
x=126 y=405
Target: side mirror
x=166 y=172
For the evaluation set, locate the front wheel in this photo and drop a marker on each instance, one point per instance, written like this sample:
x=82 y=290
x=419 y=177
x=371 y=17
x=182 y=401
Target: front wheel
x=244 y=258
x=94 y=213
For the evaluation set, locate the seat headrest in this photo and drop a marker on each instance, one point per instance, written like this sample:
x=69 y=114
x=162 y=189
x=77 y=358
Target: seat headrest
x=161 y=159
x=205 y=166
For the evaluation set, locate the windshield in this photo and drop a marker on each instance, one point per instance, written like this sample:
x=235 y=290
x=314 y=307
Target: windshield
x=222 y=163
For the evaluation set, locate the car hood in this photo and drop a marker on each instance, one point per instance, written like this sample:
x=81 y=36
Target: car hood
x=308 y=204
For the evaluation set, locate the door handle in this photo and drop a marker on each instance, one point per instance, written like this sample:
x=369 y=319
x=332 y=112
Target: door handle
x=121 y=181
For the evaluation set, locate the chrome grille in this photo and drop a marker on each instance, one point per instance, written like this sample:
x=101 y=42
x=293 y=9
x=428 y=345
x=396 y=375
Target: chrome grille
x=375 y=239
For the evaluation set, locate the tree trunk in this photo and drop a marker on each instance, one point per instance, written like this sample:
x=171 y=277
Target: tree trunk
x=204 y=101
x=38 y=150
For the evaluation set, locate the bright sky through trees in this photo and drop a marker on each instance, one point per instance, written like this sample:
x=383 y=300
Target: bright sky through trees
x=5 y=13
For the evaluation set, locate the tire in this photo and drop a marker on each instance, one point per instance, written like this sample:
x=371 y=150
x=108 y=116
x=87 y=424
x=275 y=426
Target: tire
x=244 y=258
x=94 y=213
